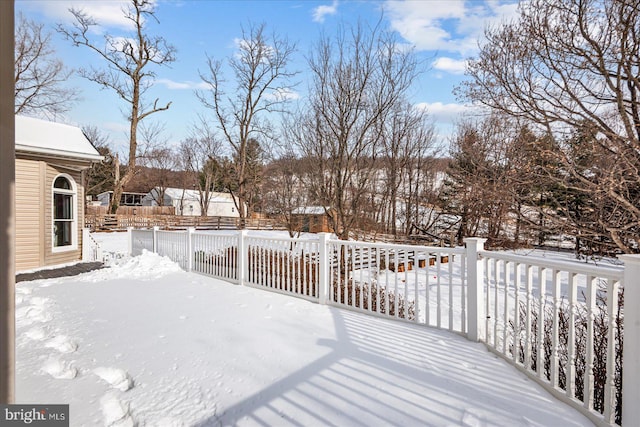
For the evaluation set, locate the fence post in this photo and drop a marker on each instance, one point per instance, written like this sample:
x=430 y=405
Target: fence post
x=86 y=247
x=323 y=266
x=631 y=348
x=190 y=254
x=130 y=240
x=155 y=239
x=243 y=256
x=476 y=316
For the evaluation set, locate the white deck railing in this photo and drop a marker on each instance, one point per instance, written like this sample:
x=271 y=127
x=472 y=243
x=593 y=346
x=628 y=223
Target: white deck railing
x=560 y=322
x=420 y=284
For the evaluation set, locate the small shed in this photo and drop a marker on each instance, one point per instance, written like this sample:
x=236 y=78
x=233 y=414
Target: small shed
x=50 y=160
x=311 y=219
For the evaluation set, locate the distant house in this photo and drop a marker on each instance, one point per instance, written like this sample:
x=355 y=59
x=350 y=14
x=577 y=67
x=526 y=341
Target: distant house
x=126 y=199
x=311 y=219
x=187 y=202
x=50 y=160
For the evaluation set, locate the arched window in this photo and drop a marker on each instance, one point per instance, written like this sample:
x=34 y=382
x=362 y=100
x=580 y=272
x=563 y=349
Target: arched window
x=64 y=212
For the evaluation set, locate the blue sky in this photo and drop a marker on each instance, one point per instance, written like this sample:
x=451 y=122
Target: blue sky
x=443 y=32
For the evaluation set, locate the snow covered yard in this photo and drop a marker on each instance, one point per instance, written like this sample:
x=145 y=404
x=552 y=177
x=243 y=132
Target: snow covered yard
x=145 y=343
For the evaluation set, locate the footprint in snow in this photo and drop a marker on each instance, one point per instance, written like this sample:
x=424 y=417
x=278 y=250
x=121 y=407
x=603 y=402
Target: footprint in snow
x=31 y=314
x=59 y=369
x=116 y=378
x=115 y=412
x=62 y=343
x=36 y=333
x=471 y=420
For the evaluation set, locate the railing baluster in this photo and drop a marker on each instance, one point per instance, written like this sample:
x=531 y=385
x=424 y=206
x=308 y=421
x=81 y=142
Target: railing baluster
x=613 y=289
x=542 y=281
x=528 y=343
x=463 y=294
x=395 y=283
x=438 y=294
x=451 y=302
x=361 y=285
x=591 y=315
x=571 y=337
x=505 y=318
x=517 y=280
x=427 y=306
x=496 y=302
x=416 y=287
x=555 y=333
x=370 y=278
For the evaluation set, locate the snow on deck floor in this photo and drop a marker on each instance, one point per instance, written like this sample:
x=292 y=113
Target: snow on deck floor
x=148 y=344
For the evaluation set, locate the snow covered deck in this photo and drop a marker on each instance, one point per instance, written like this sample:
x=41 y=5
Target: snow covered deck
x=147 y=343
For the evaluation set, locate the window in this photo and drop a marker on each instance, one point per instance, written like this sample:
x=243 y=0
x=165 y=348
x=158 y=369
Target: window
x=64 y=218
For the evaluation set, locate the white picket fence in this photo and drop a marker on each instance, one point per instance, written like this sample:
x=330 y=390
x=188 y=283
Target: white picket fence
x=559 y=322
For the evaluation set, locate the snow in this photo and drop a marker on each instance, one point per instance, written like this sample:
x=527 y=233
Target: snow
x=41 y=136
x=145 y=343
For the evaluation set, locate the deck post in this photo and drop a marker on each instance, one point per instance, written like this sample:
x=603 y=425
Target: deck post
x=476 y=316
x=190 y=254
x=130 y=241
x=86 y=248
x=323 y=266
x=243 y=256
x=155 y=239
x=631 y=349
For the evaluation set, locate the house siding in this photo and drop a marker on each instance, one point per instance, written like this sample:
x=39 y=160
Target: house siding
x=34 y=213
x=53 y=258
x=29 y=221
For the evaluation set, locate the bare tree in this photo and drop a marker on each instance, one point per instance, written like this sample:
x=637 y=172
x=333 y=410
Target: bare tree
x=200 y=155
x=284 y=190
x=127 y=73
x=162 y=161
x=40 y=75
x=407 y=140
x=563 y=66
x=480 y=179
x=262 y=86
x=358 y=78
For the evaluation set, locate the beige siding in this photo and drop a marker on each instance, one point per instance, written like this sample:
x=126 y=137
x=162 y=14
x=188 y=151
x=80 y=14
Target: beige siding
x=34 y=210
x=53 y=258
x=29 y=250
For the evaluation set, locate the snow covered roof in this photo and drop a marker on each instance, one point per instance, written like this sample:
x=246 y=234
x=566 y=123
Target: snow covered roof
x=309 y=210
x=53 y=139
x=194 y=195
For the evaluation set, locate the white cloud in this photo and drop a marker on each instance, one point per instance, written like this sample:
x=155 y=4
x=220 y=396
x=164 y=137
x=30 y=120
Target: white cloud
x=450 y=65
x=108 y=13
x=320 y=12
x=184 y=85
x=446 y=25
x=444 y=113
